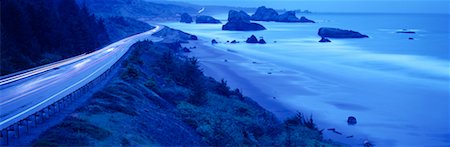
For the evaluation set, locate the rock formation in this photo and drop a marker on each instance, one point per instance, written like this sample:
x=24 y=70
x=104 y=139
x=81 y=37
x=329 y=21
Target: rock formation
x=252 y=39
x=206 y=19
x=324 y=40
x=186 y=18
x=240 y=21
x=339 y=33
x=265 y=14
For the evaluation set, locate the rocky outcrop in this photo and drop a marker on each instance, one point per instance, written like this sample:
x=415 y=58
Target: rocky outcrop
x=265 y=14
x=324 y=40
x=339 y=33
x=288 y=16
x=306 y=20
x=214 y=41
x=269 y=14
x=405 y=31
x=206 y=19
x=252 y=39
x=262 y=41
x=186 y=18
x=240 y=21
x=351 y=120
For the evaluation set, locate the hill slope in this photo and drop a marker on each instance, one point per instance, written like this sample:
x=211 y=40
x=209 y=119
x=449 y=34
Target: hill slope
x=160 y=97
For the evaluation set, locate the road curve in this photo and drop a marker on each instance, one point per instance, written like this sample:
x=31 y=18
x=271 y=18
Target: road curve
x=26 y=93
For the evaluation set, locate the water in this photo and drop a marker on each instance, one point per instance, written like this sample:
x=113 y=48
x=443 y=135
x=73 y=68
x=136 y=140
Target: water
x=398 y=89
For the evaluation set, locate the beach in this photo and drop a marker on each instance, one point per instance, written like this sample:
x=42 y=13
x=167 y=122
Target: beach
x=265 y=83
x=395 y=87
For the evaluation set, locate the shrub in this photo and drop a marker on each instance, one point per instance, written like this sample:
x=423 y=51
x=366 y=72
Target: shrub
x=300 y=120
x=130 y=73
x=151 y=83
x=222 y=88
x=238 y=93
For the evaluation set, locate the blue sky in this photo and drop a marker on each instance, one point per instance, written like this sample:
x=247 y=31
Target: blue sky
x=386 y=6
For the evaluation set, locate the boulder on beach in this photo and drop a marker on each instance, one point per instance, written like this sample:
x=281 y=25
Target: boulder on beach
x=186 y=18
x=206 y=19
x=339 y=33
x=240 y=21
x=265 y=14
x=324 y=40
x=252 y=39
x=306 y=20
x=351 y=120
x=405 y=31
x=262 y=41
x=214 y=41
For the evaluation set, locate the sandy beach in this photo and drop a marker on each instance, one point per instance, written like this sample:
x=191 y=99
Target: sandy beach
x=265 y=83
x=229 y=65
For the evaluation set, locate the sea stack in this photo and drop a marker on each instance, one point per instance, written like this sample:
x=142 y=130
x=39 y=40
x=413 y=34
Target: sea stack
x=206 y=19
x=288 y=16
x=306 y=20
x=324 y=40
x=240 y=21
x=186 y=18
x=339 y=33
x=269 y=14
x=265 y=14
x=252 y=39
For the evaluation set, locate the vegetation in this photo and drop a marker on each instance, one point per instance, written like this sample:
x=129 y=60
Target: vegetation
x=138 y=9
x=36 y=32
x=84 y=132
x=163 y=98
x=120 y=27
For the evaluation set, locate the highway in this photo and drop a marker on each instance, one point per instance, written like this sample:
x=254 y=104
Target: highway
x=25 y=93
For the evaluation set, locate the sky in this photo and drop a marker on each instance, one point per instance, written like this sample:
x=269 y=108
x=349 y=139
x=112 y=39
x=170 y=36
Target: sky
x=367 y=6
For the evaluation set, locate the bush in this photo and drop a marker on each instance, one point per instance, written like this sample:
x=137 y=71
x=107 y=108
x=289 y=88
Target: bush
x=151 y=83
x=222 y=88
x=130 y=73
x=300 y=120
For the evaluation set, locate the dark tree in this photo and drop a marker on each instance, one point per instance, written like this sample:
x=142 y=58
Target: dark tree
x=36 y=32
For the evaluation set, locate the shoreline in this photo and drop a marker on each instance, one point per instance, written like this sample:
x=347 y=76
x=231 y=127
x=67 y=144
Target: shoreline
x=221 y=63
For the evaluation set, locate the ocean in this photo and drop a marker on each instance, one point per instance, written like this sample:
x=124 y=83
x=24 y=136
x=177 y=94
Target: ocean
x=396 y=87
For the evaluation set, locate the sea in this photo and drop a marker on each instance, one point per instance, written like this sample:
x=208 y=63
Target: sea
x=396 y=85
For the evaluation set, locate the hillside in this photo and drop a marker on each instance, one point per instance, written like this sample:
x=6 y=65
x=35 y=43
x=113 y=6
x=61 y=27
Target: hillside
x=161 y=97
x=136 y=9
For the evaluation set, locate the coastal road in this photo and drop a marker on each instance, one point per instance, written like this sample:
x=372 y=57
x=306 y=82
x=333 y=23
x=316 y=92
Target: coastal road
x=28 y=92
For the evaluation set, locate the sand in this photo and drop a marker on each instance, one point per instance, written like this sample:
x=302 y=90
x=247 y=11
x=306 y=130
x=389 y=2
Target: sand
x=263 y=82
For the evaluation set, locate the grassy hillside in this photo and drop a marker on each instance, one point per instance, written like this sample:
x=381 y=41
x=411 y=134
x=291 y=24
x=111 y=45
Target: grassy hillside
x=160 y=97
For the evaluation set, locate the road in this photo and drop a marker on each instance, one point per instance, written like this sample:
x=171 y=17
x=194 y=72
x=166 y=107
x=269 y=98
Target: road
x=26 y=93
